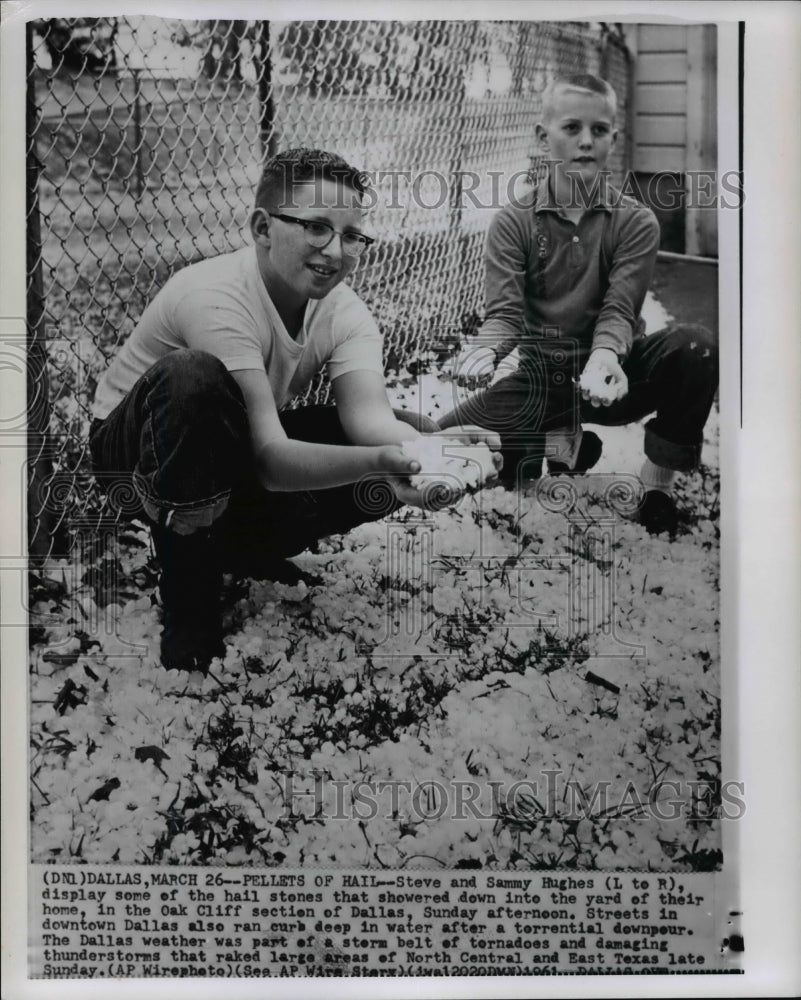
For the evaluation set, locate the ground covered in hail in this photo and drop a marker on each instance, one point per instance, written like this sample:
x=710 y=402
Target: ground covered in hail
x=519 y=681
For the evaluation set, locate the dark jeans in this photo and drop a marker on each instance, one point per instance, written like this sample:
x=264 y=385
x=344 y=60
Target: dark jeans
x=672 y=373
x=181 y=436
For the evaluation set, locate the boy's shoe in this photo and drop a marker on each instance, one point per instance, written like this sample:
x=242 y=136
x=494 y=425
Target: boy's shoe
x=190 y=586
x=589 y=452
x=657 y=513
x=185 y=646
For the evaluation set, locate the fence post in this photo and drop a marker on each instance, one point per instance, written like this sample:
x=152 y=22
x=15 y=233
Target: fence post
x=630 y=102
x=40 y=466
x=615 y=40
x=137 y=116
x=464 y=54
x=603 y=52
x=459 y=241
x=267 y=122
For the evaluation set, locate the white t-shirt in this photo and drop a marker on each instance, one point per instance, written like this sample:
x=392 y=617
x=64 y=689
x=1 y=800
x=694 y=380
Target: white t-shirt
x=221 y=306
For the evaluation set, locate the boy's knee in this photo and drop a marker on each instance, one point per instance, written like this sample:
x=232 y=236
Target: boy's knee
x=195 y=377
x=195 y=368
x=695 y=343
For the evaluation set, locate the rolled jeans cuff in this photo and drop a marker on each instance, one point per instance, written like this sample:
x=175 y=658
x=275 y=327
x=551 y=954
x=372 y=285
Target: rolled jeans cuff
x=182 y=518
x=668 y=454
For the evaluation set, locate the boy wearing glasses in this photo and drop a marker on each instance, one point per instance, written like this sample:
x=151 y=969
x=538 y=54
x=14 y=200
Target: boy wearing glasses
x=193 y=406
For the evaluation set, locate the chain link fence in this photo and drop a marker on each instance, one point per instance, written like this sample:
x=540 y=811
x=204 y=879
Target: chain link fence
x=146 y=138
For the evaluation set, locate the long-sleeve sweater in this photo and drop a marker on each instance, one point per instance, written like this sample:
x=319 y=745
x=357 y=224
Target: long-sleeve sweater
x=547 y=277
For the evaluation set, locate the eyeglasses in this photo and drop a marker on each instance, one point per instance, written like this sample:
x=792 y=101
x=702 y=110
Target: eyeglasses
x=320 y=234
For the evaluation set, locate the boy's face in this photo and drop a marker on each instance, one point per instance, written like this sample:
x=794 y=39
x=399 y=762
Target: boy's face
x=579 y=133
x=305 y=271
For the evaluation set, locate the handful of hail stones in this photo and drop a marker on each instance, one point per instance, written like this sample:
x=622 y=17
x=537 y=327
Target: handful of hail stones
x=447 y=464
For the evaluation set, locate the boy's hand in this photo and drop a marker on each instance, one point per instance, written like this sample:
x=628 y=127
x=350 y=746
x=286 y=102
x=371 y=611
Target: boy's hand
x=475 y=367
x=603 y=381
x=436 y=495
x=396 y=467
x=470 y=434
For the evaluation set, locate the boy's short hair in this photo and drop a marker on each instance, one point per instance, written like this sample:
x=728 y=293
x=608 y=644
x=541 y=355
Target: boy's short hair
x=577 y=81
x=302 y=166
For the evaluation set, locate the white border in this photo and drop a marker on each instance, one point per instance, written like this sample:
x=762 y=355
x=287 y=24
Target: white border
x=768 y=504
x=761 y=502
